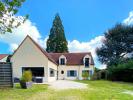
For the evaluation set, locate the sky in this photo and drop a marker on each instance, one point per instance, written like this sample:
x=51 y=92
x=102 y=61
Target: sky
x=84 y=21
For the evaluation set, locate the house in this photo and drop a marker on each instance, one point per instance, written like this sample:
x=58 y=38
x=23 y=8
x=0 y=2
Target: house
x=3 y=57
x=48 y=67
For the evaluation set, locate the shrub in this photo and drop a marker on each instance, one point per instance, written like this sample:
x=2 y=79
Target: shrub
x=85 y=75
x=27 y=76
x=94 y=76
x=121 y=72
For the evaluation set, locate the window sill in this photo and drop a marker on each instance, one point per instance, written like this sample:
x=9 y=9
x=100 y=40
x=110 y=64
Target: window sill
x=87 y=66
x=71 y=76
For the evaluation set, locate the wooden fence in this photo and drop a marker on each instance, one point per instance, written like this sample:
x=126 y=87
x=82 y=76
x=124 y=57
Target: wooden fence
x=6 y=75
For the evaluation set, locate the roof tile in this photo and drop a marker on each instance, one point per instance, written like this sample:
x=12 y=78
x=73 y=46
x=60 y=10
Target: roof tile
x=3 y=56
x=72 y=58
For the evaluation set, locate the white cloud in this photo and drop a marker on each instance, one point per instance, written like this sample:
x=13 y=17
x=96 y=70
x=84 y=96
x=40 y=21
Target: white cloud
x=90 y=46
x=129 y=19
x=42 y=42
x=18 y=34
x=102 y=66
x=13 y=47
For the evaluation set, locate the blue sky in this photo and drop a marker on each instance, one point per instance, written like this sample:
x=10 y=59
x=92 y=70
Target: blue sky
x=83 y=20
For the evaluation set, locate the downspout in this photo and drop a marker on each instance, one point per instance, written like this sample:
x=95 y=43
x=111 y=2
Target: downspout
x=57 y=71
x=79 y=73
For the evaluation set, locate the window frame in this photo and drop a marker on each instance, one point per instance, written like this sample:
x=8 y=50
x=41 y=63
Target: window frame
x=62 y=59
x=53 y=72
x=87 y=63
x=69 y=73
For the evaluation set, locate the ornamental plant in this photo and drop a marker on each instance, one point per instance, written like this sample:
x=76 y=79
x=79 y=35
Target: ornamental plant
x=85 y=75
x=27 y=76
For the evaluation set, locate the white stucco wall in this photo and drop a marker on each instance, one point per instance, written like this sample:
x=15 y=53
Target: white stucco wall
x=78 y=68
x=53 y=66
x=28 y=55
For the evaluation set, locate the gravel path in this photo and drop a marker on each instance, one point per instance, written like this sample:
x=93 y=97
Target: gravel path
x=66 y=84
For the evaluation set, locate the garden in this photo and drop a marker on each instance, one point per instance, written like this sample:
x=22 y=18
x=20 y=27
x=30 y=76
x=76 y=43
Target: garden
x=96 y=90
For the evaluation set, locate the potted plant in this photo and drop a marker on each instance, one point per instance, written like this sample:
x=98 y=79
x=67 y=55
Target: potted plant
x=26 y=80
x=85 y=75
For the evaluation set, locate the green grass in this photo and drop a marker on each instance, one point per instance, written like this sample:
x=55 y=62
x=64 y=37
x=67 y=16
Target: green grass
x=97 y=90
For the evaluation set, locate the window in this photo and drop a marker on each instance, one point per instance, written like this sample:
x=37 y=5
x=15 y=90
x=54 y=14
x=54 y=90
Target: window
x=62 y=61
x=52 y=73
x=62 y=72
x=86 y=62
x=71 y=73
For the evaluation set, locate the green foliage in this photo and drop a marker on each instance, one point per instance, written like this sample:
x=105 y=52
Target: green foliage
x=117 y=43
x=121 y=72
x=27 y=76
x=8 y=58
x=8 y=8
x=57 y=42
x=10 y=5
x=96 y=75
x=85 y=74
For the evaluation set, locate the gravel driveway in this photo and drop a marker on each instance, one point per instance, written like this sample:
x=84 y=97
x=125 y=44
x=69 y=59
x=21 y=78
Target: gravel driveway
x=66 y=84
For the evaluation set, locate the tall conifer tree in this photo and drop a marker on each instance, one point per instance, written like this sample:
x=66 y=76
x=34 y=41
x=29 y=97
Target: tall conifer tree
x=57 y=42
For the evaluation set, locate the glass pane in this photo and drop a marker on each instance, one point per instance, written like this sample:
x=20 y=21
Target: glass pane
x=86 y=62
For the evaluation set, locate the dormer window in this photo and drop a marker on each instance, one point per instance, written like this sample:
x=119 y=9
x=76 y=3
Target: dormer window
x=62 y=60
x=86 y=61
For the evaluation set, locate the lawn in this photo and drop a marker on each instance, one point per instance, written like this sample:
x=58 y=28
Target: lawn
x=97 y=90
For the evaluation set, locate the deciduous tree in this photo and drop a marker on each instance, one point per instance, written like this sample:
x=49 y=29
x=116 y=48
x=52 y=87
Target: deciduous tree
x=118 y=43
x=8 y=8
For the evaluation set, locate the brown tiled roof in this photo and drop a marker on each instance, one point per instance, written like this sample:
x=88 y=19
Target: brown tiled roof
x=3 y=56
x=72 y=58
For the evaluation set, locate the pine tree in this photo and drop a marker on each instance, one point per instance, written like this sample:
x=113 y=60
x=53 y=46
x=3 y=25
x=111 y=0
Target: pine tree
x=57 y=42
